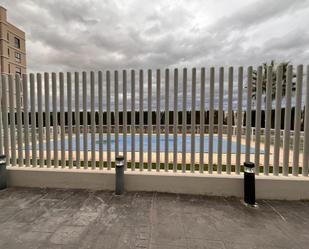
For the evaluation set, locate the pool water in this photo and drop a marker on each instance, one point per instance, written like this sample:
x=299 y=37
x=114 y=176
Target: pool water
x=154 y=142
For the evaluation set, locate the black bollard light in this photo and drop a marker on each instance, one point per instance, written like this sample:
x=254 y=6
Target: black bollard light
x=119 y=185
x=3 y=179
x=249 y=184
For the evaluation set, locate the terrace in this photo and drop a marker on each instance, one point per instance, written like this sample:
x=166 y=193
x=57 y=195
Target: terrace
x=67 y=219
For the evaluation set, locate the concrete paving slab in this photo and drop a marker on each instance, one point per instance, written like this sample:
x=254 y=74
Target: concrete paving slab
x=67 y=219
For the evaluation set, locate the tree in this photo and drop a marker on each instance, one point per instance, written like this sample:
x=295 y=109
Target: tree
x=274 y=79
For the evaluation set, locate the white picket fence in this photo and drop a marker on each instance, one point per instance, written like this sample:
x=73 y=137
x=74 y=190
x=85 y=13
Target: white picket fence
x=148 y=144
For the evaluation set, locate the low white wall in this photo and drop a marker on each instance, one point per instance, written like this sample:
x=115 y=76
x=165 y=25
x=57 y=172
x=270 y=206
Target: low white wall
x=267 y=187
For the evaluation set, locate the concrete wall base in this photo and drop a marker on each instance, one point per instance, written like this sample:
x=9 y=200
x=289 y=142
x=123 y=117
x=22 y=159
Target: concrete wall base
x=267 y=187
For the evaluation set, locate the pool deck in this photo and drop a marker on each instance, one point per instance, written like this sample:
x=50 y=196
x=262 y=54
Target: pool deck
x=188 y=156
x=70 y=219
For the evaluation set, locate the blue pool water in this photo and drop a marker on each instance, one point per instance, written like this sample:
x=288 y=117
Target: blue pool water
x=154 y=142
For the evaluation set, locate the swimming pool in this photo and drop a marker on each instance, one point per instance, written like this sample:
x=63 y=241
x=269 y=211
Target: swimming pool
x=154 y=142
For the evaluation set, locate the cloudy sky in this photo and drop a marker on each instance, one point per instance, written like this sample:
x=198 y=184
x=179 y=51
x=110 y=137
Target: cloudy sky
x=71 y=35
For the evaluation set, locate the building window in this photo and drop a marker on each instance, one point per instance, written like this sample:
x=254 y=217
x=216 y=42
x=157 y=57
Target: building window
x=8 y=52
x=8 y=36
x=9 y=68
x=18 y=71
x=17 y=42
x=17 y=57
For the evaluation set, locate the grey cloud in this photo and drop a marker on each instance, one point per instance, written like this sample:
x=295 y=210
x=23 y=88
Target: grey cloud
x=258 y=12
x=92 y=34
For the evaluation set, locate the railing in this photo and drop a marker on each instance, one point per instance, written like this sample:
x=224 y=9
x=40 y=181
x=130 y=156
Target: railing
x=36 y=104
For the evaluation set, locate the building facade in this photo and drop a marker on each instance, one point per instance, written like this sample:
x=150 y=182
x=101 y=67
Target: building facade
x=12 y=47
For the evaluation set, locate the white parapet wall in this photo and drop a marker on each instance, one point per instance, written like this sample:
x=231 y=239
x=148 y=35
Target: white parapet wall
x=267 y=187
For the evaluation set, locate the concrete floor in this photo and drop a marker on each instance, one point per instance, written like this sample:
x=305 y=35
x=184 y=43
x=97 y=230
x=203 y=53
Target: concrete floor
x=46 y=218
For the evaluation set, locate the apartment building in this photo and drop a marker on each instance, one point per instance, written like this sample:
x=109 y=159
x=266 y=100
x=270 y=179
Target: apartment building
x=12 y=47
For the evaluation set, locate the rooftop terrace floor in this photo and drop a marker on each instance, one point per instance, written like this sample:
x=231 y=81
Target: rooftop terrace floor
x=57 y=218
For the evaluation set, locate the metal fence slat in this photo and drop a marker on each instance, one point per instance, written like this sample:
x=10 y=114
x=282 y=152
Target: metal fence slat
x=149 y=121
x=158 y=119
x=166 y=119
x=211 y=120
x=297 y=119
x=277 y=120
x=239 y=119
x=77 y=121
x=70 y=123
x=125 y=116
x=184 y=119
x=141 y=120
x=47 y=120
x=26 y=119
x=100 y=103
x=93 y=126
x=229 y=121
x=220 y=118
x=62 y=120
x=306 y=133
x=108 y=109
x=55 y=120
x=85 y=121
x=116 y=105
x=258 y=119
x=268 y=119
x=175 y=119
x=287 y=121
x=19 y=121
x=248 y=115
x=33 y=122
x=1 y=124
x=40 y=119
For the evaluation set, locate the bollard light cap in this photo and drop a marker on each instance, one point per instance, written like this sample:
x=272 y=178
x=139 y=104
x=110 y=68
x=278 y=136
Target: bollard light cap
x=249 y=165
x=2 y=159
x=119 y=158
